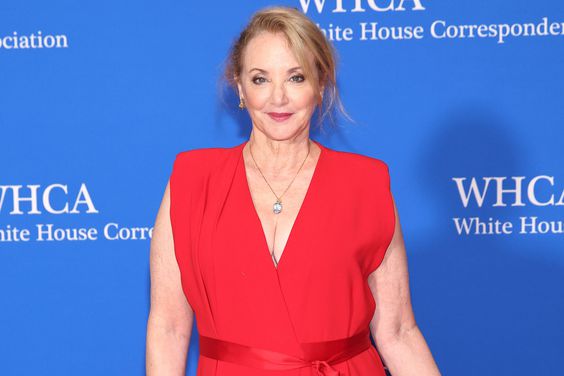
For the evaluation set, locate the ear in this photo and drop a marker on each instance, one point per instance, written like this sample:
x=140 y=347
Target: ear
x=322 y=83
x=239 y=86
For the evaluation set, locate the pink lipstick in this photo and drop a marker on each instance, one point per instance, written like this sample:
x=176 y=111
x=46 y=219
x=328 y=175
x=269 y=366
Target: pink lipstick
x=280 y=116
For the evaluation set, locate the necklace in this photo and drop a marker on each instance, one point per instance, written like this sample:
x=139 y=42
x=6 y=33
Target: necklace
x=277 y=206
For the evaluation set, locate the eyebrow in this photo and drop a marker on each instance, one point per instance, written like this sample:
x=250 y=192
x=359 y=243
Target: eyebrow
x=264 y=71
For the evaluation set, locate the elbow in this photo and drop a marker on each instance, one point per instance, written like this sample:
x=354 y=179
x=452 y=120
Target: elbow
x=178 y=326
x=396 y=333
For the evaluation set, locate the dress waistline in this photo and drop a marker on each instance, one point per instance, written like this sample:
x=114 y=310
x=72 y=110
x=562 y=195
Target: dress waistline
x=318 y=355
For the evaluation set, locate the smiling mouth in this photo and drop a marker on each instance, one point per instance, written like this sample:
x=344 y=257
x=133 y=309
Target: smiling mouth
x=280 y=116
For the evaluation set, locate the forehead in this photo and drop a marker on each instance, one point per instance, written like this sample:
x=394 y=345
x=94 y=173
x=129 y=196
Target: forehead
x=269 y=50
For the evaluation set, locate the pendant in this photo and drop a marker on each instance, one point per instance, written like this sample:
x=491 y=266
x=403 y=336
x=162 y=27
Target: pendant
x=277 y=207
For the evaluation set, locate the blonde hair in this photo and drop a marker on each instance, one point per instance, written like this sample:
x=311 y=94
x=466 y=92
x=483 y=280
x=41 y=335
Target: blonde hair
x=304 y=37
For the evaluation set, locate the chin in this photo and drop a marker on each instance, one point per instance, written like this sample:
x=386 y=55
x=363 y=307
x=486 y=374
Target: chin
x=281 y=133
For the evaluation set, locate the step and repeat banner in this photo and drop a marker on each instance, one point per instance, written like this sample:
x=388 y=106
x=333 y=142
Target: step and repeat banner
x=462 y=99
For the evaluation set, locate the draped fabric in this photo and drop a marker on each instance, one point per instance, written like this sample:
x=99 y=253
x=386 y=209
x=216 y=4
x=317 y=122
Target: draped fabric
x=320 y=357
x=319 y=291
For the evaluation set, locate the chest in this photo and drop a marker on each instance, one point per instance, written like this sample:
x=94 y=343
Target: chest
x=264 y=195
x=328 y=224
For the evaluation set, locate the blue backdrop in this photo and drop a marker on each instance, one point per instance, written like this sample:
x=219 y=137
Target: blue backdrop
x=462 y=99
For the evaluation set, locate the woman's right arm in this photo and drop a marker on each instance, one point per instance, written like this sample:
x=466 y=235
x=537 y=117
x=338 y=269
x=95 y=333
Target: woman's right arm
x=169 y=326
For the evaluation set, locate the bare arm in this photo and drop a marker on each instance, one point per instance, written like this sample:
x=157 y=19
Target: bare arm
x=395 y=332
x=169 y=326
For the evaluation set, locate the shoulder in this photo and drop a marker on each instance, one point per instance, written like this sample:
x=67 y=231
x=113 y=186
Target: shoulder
x=194 y=167
x=202 y=154
x=201 y=159
x=360 y=165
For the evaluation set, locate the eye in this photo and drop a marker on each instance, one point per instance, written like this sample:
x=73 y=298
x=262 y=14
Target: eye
x=258 y=80
x=298 y=78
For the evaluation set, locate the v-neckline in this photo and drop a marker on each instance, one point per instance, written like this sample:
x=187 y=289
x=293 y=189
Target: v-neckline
x=312 y=185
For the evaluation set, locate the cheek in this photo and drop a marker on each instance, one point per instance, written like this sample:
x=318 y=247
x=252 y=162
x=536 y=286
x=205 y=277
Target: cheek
x=304 y=99
x=256 y=97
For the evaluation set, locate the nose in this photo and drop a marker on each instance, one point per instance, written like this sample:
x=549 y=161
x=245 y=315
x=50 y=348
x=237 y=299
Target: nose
x=279 y=96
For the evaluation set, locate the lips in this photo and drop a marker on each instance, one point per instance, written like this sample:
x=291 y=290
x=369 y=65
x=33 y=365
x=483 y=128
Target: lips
x=280 y=116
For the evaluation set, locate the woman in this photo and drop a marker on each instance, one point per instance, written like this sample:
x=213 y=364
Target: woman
x=289 y=253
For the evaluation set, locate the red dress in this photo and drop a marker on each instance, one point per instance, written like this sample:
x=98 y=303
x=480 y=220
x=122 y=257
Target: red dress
x=319 y=292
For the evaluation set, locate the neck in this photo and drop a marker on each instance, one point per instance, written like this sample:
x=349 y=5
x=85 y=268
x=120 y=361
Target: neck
x=279 y=157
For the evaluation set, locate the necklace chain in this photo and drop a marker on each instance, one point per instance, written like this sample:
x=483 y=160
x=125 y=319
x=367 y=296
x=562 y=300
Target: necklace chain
x=277 y=207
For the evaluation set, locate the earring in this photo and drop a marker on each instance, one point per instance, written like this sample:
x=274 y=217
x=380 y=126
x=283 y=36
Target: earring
x=241 y=104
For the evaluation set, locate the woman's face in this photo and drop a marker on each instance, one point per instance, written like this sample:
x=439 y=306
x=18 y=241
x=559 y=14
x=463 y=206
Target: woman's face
x=279 y=99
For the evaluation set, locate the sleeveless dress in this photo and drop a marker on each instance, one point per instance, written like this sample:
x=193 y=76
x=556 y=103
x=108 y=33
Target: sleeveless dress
x=318 y=292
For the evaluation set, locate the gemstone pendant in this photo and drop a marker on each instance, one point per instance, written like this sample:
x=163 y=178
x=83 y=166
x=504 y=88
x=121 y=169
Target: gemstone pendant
x=277 y=207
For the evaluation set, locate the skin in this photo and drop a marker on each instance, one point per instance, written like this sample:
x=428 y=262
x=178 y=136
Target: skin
x=169 y=326
x=271 y=80
x=399 y=341
x=279 y=148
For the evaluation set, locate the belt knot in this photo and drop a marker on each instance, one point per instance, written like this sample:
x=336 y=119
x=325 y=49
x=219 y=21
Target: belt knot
x=324 y=369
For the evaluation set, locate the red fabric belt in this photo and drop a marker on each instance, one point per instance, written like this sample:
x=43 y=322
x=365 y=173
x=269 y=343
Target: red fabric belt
x=318 y=355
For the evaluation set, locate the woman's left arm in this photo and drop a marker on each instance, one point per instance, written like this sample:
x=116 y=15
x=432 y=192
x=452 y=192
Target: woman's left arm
x=396 y=334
